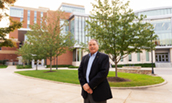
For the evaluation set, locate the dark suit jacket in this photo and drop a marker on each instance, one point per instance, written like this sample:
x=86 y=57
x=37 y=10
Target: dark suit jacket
x=98 y=81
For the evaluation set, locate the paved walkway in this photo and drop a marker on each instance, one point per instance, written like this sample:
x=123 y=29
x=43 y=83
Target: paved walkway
x=15 y=88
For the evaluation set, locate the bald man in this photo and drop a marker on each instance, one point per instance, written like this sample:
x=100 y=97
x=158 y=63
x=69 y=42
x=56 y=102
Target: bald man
x=92 y=73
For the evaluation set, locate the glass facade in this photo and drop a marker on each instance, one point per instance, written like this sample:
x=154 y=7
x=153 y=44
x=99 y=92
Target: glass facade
x=77 y=28
x=156 y=12
x=138 y=56
x=64 y=28
x=162 y=28
x=122 y=59
x=35 y=17
x=16 y=12
x=77 y=54
x=147 y=56
x=41 y=18
x=28 y=18
x=129 y=57
x=71 y=9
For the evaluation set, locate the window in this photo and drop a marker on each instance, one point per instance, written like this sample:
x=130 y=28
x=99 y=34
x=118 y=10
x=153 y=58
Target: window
x=28 y=18
x=65 y=27
x=35 y=16
x=138 y=56
x=41 y=18
x=72 y=9
x=16 y=12
x=122 y=59
x=129 y=57
x=147 y=56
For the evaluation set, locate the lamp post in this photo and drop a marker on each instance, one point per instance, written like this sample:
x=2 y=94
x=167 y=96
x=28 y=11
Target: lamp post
x=152 y=57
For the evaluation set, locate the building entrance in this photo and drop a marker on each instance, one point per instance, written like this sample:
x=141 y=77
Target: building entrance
x=162 y=57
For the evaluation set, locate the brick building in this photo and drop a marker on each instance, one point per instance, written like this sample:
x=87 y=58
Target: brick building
x=75 y=14
x=29 y=16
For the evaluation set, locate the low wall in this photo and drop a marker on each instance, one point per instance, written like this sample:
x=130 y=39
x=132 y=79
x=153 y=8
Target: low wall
x=136 y=71
x=131 y=67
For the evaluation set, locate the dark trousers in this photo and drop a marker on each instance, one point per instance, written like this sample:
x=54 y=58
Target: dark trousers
x=89 y=99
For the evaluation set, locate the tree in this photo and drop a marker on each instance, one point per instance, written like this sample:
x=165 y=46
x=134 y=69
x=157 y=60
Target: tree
x=48 y=39
x=25 y=52
x=118 y=30
x=4 y=4
x=31 y=52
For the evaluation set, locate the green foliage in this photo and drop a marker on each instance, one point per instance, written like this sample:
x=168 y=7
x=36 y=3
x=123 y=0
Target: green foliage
x=69 y=66
x=58 y=66
x=3 y=62
x=3 y=66
x=142 y=65
x=6 y=30
x=24 y=67
x=48 y=39
x=73 y=66
x=118 y=30
x=71 y=76
x=26 y=52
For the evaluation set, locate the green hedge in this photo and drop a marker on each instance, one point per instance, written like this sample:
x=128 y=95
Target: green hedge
x=142 y=65
x=3 y=62
x=3 y=66
x=69 y=66
x=73 y=67
x=58 y=66
x=24 y=67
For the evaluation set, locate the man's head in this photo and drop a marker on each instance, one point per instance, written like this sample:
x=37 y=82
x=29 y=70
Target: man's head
x=93 y=46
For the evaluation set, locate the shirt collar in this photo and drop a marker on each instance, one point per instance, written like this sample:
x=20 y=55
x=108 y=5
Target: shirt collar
x=93 y=54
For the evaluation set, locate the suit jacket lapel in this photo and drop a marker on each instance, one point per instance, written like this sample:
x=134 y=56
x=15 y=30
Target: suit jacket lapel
x=86 y=62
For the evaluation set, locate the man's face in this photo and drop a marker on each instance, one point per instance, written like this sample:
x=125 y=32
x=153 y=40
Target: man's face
x=93 y=46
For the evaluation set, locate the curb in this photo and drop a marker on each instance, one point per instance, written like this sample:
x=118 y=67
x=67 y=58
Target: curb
x=142 y=87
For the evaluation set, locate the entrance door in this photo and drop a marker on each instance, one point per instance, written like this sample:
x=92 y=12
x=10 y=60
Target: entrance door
x=162 y=57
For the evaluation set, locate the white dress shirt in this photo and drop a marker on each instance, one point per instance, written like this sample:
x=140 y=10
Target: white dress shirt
x=90 y=62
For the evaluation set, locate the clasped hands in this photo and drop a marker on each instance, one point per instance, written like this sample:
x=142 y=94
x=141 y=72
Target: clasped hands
x=87 y=88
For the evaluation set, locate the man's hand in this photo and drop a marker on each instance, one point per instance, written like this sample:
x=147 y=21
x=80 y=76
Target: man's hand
x=87 y=88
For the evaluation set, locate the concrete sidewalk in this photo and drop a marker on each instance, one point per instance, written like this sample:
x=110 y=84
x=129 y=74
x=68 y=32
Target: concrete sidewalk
x=15 y=88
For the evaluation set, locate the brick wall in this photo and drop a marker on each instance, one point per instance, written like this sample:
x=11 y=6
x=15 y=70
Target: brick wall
x=64 y=59
x=25 y=19
x=10 y=57
x=14 y=34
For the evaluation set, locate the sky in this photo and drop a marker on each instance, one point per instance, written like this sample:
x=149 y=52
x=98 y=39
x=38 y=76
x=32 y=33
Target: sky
x=136 y=5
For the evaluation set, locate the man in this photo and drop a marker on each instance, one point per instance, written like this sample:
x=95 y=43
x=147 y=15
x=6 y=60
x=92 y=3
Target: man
x=92 y=74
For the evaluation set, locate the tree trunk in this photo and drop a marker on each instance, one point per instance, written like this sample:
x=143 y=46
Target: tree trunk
x=116 y=75
x=23 y=64
x=50 y=63
x=36 y=64
x=56 y=62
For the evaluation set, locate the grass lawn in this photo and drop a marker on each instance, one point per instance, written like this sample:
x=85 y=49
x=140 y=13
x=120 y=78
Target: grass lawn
x=71 y=76
x=3 y=66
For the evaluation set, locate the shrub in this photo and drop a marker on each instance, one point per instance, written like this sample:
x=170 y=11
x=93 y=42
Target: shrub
x=142 y=65
x=3 y=66
x=58 y=66
x=73 y=66
x=3 y=62
x=24 y=67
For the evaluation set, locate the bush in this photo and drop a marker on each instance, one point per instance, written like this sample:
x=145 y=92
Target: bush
x=73 y=66
x=58 y=66
x=3 y=62
x=24 y=67
x=142 y=65
x=3 y=66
